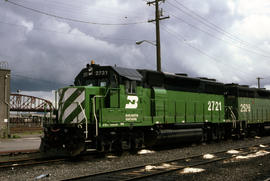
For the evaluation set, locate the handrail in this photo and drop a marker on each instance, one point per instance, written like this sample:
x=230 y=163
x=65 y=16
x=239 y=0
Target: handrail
x=94 y=105
x=232 y=113
x=94 y=112
x=233 y=116
x=86 y=123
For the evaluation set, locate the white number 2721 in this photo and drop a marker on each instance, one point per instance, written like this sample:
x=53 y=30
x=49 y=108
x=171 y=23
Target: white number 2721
x=214 y=106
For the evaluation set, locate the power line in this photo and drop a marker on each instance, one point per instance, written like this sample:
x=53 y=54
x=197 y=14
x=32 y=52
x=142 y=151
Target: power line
x=75 y=9
x=204 y=20
x=182 y=39
x=210 y=25
x=113 y=12
x=64 y=33
x=213 y=36
x=72 y=19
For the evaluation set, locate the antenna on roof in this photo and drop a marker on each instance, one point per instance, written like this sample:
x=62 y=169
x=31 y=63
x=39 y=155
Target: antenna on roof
x=259 y=85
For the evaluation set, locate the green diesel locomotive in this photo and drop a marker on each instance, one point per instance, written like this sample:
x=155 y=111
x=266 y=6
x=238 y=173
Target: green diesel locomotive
x=110 y=108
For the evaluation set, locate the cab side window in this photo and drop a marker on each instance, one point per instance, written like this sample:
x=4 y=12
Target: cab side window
x=114 y=81
x=130 y=87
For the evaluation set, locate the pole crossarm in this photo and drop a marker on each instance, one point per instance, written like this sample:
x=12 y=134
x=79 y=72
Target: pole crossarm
x=152 y=20
x=140 y=42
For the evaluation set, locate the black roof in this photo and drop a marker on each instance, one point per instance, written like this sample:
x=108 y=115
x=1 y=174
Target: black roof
x=131 y=74
x=245 y=91
x=181 y=82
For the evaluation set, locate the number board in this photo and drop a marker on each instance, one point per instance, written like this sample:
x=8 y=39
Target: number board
x=245 y=108
x=101 y=73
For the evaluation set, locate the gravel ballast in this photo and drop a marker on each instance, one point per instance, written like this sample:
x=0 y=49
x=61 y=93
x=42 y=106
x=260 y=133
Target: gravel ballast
x=59 y=171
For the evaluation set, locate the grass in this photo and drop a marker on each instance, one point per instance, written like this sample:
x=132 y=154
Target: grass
x=23 y=134
x=14 y=136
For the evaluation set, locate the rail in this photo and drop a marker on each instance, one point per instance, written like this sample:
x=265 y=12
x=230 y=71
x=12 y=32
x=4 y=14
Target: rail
x=164 y=167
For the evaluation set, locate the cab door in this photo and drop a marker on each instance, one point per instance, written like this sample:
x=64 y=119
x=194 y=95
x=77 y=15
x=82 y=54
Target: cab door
x=159 y=101
x=114 y=92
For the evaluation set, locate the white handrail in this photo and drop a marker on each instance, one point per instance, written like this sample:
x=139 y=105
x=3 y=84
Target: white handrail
x=94 y=112
x=94 y=108
x=86 y=123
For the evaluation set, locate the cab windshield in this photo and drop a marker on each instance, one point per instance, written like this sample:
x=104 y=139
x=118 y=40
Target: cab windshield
x=96 y=82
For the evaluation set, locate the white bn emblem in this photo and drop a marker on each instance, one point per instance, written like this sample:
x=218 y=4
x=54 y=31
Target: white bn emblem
x=132 y=102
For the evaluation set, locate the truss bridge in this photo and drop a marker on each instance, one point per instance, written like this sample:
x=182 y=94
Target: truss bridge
x=19 y=102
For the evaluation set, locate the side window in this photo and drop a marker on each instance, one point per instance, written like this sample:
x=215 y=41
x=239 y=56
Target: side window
x=133 y=87
x=103 y=84
x=130 y=87
x=114 y=81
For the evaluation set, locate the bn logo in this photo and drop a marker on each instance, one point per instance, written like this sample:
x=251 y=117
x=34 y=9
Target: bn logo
x=132 y=102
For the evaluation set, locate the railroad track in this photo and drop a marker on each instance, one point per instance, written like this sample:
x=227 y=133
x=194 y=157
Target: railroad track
x=13 y=155
x=40 y=159
x=16 y=152
x=28 y=162
x=161 y=168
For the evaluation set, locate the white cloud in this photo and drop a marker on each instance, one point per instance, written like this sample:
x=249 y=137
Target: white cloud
x=265 y=86
x=232 y=6
x=254 y=27
x=253 y=7
x=29 y=25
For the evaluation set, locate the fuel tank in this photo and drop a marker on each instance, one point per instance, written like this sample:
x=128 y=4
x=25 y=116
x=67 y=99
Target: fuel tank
x=173 y=136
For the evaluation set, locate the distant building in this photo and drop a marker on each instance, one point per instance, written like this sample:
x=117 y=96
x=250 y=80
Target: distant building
x=4 y=101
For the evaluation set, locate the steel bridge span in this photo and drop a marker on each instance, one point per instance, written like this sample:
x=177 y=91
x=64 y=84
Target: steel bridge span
x=26 y=103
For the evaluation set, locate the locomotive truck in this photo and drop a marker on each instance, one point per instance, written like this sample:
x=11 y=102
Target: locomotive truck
x=111 y=108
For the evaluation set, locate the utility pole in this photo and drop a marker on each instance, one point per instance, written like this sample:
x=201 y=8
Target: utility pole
x=259 y=85
x=159 y=17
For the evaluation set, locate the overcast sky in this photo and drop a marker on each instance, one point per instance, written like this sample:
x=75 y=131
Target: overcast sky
x=226 y=40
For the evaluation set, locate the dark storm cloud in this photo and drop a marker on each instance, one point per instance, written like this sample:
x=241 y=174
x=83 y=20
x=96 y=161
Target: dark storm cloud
x=19 y=83
x=54 y=50
x=217 y=52
x=57 y=56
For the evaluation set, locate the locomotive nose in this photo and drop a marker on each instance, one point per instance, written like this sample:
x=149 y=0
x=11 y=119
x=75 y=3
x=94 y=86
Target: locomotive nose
x=71 y=105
